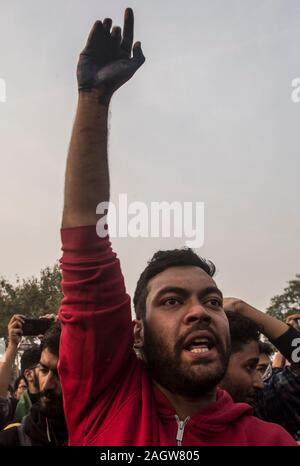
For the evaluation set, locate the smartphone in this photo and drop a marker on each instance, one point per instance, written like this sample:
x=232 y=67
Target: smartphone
x=298 y=322
x=34 y=326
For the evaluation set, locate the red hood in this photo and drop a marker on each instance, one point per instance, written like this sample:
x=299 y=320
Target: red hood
x=214 y=418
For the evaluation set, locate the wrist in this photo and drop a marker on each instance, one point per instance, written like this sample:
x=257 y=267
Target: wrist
x=12 y=347
x=98 y=96
x=241 y=308
x=12 y=343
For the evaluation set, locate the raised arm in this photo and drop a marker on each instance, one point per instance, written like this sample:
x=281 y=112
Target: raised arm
x=105 y=64
x=269 y=326
x=97 y=340
x=14 y=337
x=278 y=332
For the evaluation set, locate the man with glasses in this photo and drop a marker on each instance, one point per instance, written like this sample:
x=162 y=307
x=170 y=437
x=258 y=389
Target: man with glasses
x=264 y=366
x=29 y=369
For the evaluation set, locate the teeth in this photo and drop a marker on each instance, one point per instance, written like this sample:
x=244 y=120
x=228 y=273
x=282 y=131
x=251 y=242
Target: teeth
x=203 y=349
x=199 y=341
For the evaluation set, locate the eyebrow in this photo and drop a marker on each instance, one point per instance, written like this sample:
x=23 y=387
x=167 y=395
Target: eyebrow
x=43 y=365
x=262 y=367
x=252 y=360
x=185 y=293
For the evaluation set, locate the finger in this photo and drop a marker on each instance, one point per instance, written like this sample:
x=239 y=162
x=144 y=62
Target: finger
x=17 y=324
x=126 y=44
x=116 y=33
x=115 y=40
x=138 y=55
x=95 y=37
x=107 y=24
x=17 y=316
x=48 y=316
x=20 y=319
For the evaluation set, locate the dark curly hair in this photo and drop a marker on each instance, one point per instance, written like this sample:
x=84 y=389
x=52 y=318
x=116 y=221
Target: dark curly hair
x=51 y=339
x=17 y=381
x=161 y=261
x=242 y=331
x=30 y=358
x=265 y=348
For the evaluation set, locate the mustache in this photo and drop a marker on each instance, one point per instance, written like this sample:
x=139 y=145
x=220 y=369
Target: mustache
x=180 y=342
x=50 y=394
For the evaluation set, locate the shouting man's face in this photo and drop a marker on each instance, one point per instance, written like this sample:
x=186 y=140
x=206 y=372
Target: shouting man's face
x=186 y=339
x=50 y=389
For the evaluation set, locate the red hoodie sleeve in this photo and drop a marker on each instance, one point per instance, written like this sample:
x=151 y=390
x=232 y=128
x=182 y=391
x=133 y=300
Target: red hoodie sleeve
x=97 y=339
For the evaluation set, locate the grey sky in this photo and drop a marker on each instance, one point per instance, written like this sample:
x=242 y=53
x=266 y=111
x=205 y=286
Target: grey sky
x=209 y=117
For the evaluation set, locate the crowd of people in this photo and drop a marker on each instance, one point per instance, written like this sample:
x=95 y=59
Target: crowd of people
x=193 y=368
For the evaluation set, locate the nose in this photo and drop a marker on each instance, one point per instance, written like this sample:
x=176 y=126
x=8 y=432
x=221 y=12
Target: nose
x=197 y=312
x=50 y=382
x=258 y=383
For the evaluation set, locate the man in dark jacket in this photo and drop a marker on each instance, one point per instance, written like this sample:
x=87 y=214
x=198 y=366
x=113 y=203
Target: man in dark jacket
x=45 y=424
x=29 y=369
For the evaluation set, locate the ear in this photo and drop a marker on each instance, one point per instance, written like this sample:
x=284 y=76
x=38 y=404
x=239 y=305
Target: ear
x=28 y=375
x=138 y=332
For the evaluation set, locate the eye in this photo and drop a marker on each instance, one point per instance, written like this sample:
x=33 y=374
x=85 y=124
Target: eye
x=42 y=369
x=214 y=302
x=171 y=302
x=251 y=368
x=261 y=369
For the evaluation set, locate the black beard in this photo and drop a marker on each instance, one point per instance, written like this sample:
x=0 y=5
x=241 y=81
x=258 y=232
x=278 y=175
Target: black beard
x=35 y=380
x=166 y=369
x=52 y=409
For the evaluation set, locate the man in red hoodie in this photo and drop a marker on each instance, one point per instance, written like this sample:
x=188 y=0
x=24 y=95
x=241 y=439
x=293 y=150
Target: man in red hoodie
x=169 y=395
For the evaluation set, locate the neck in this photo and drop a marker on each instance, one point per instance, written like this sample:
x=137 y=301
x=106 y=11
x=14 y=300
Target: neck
x=186 y=406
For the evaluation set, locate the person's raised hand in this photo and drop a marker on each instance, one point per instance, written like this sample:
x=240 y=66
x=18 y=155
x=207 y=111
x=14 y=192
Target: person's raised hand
x=232 y=304
x=52 y=316
x=108 y=59
x=293 y=321
x=15 y=332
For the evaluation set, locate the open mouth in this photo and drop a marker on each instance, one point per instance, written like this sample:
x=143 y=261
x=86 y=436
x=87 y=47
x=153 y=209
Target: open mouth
x=199 y=345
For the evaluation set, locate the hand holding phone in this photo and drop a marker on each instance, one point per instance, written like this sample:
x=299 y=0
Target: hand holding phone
x=34 y=327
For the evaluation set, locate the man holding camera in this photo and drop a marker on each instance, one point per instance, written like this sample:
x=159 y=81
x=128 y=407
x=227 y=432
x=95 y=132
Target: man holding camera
x=45 y=423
